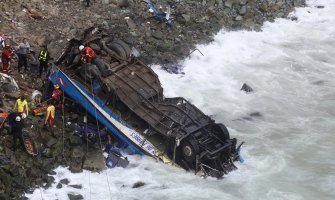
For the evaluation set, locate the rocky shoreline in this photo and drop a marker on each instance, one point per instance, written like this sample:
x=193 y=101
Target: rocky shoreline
x=55 y=22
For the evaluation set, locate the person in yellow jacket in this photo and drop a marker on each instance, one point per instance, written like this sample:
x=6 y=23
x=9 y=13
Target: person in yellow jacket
x=22 y=105
x=49 y=117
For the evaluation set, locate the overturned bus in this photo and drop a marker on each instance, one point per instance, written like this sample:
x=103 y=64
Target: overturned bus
x=126 y=96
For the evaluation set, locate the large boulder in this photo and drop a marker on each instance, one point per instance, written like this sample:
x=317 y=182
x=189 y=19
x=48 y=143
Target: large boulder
x=94 y=161
x=76 y=163
x=8 y=84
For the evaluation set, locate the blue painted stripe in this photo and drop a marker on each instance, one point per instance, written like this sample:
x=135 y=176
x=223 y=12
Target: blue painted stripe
x=70 y=90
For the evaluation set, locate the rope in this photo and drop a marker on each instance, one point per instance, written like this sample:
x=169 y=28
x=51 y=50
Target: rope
x=96 y=119
x=63 y=125
x=89 y=175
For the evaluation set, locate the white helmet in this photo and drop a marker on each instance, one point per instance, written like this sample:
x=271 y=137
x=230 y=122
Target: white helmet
x=23 y=115
x=81 y=47
x=18 y=118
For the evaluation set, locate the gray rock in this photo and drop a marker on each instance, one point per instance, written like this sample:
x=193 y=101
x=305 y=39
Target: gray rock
x=280 y=14
x=50 y=179
x=294 y=18
x=157 y=35
x=64 y=181
x=229 y=3
x=246 y=88
x=132 y=26
x=47 y=153
x=4 y=196
x=41 y=41
x=76 y=186
x=138 y=184
x=75 y=140
x=133 y=34
x=13 y=171
x=123 y=3
x=74 y=116
x=76 y=160
x=51 y=142
x=52 y=172
x=243 y=2
x=264 y=6
x=243 y=10
x=59 y=186
x=239 y=18
x=299 y=2
x=75 y=196
x=186 y=17
x=255 y=114
x=220 y=3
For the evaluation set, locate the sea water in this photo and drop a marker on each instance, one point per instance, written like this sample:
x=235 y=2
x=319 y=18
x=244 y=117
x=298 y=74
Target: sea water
x=287 y=122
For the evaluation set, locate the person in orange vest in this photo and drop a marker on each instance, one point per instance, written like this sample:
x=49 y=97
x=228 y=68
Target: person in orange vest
x=6 y=56
x=50 y=116
x=87 y=54
x=22 y=105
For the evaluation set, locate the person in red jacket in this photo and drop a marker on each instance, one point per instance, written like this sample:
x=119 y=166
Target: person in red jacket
x=87 y=54
x=6 y=56
x=57 y=96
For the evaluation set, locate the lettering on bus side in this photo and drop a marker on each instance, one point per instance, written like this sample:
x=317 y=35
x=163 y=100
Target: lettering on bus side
x=149 y=147
x=140 y=140
x=136 y=137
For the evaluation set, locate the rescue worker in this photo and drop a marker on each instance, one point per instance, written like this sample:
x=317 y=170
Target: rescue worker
x=16 y=122
x=22 y=54
x=87 y=3
x=50 y=116
x=34 y=66
x=36 y=98
x=22 y=105
x=57 y=95
x=87 y=54
x=44 y=59
x=6 y=56
x=2 y=40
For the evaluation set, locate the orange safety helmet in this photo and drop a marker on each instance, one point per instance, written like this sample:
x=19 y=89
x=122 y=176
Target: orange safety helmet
x=56 y=86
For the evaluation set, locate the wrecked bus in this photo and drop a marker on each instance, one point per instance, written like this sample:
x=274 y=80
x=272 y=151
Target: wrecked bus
x=126 y=96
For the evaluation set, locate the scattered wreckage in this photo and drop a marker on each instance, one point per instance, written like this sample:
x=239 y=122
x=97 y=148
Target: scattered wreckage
x=8 y=87
x=160 y=15
x=126 y=97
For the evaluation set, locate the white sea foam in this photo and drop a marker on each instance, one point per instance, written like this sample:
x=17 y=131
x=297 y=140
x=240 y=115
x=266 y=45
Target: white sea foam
x=289 y=148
